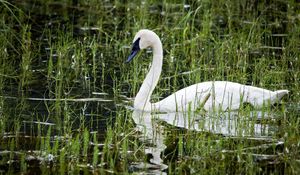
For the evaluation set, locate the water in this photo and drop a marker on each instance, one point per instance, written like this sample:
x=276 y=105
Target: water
x=66 y=93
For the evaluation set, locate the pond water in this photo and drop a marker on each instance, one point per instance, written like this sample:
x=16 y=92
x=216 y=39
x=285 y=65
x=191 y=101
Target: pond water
x=66 y=92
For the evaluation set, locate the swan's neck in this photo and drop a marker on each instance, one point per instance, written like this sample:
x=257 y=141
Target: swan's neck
x=142 y=99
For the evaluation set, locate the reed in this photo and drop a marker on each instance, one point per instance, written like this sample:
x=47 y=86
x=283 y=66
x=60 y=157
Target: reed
x=77 y=51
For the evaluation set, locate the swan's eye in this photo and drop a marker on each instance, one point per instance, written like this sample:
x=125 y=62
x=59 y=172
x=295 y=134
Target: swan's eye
x=136 y=44
x=135 y=50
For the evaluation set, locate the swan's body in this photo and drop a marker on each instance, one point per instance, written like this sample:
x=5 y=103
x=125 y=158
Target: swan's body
x=220 y=95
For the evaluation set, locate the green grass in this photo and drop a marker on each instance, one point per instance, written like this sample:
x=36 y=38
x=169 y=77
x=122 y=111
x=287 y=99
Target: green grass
x=64 y=51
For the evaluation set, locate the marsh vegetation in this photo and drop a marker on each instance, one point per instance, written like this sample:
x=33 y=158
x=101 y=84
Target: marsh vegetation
x=66 y=92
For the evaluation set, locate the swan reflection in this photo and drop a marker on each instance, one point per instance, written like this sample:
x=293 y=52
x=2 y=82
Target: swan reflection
x=231 y=124
x=225 y=123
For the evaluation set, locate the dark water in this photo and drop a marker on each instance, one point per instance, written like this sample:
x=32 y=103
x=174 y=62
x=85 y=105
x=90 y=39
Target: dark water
x=34 y=106
x=89 y=94
x=59 y=20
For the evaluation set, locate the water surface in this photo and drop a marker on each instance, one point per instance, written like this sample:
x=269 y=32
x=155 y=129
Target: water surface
x=65 y=91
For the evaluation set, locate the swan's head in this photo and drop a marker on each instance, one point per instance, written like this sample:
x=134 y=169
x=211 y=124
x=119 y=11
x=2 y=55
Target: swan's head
x=143 y=39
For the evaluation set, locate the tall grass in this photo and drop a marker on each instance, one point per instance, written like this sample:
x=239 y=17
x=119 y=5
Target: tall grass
x=79 y=52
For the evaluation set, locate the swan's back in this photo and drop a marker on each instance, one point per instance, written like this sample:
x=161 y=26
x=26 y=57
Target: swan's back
x=218 y=95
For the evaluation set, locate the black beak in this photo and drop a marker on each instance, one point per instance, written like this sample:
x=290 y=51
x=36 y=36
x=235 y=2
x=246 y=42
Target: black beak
x=135 y=50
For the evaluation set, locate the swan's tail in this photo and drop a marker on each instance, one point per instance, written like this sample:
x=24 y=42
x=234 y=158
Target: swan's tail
x=281 y=93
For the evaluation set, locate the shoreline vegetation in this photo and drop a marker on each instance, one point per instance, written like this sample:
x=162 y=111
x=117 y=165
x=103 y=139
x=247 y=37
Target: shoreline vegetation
x=66 y=92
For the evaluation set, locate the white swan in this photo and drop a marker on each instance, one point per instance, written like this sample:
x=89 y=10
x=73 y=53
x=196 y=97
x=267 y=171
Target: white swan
x=212 y=95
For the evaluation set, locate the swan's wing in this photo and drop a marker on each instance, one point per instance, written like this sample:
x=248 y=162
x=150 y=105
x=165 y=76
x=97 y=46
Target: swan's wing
x=257 y=97
x=227 y=95
x=188 y=98
x=217 y=95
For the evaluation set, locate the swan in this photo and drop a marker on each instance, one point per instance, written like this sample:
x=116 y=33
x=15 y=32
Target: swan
x=211 y=95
